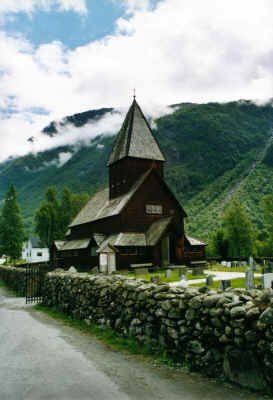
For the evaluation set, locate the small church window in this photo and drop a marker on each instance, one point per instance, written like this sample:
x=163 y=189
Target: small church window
x=39 y=254
x=154 y=209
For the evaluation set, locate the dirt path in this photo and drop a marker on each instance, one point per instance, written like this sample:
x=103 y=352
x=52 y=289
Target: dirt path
x=41 y=359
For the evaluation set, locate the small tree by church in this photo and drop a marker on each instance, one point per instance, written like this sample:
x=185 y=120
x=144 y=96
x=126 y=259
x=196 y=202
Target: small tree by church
x=238 y=230
x=11 y=226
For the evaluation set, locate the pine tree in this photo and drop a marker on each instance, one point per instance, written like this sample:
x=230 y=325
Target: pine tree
x=238 y=230
x=12 y=230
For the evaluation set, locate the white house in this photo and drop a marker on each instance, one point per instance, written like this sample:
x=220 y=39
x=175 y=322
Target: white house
x=33 y=251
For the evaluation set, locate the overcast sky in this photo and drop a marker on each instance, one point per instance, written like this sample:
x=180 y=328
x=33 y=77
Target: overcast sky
x=59 y=57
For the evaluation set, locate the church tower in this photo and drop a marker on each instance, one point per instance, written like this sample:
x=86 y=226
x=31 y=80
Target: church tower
x=135 y=151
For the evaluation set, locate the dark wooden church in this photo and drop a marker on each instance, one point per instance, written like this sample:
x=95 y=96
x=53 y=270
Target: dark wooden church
x=137 y=219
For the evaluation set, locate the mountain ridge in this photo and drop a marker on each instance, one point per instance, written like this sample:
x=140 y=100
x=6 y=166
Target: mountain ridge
x=206 y=145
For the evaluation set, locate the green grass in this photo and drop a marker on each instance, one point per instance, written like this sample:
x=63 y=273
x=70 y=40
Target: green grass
x=111 y=339
x=2 y=283
x=174 y=277
x=221 y=268
x=235 y=283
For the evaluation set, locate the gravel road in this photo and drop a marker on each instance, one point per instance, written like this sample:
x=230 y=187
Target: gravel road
x=40 y=359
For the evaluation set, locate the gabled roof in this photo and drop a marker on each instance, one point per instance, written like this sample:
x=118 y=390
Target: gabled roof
x=99 y=206
x=74 y=244
x=59 y=244
x=135 y=139
x=156 y=230
x=35 y=242
x=195 y=242
x=124 y=239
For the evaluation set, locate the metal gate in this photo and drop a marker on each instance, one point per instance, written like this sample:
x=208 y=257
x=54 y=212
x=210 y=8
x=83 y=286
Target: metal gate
x=35 y=275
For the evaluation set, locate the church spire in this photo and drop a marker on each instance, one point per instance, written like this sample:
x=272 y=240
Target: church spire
x=135 y=139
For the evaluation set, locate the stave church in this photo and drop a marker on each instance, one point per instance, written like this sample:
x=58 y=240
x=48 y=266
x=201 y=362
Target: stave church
x=136 y=220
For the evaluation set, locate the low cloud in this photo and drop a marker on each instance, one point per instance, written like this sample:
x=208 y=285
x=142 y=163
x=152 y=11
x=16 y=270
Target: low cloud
x=173 y=52
x=18 y=130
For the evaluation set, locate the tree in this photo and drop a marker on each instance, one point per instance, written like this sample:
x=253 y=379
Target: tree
x=12 y=230
x=71 y=203
x=219 y=244
x=54 y=216
x=47 y=218
x=267 y=207
x=238 y=230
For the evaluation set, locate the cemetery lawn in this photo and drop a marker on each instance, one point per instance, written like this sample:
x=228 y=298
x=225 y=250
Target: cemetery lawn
x=221 y=268
x=237 y=283
x=174 y=277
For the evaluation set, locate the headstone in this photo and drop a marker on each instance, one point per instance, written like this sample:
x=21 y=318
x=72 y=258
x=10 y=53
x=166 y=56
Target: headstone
x=168 y=273
x=225 y=284
x=224 y=263
x=228 y=264
x=249 y=279
x=182 y=271
x=209 y=280
x=95 y=270
x=72 y=270
x=268 y=280
x=251 y=261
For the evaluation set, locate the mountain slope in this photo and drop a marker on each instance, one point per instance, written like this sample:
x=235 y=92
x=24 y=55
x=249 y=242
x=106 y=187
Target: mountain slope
x=210 y=149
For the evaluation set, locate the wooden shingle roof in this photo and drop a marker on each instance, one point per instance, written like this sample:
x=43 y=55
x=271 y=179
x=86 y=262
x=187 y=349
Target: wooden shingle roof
x=135 y=139
x=100 y=206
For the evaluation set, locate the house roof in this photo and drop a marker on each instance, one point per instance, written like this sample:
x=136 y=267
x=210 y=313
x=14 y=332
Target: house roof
x=124 y=239
x=35 y=242
x=137 y=239
x=59 y=244
x=135 y=138
x=99 y=206
x=156 y=230
x=75 y=244
x=195 y=242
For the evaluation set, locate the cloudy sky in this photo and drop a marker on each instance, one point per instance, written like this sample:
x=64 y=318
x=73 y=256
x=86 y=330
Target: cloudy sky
x=58 y=57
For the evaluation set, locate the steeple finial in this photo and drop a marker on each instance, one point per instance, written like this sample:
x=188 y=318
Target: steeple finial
x=134 y=93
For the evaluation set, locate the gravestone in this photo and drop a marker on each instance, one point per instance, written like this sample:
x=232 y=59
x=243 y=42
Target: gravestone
x=225 y=284
x=209 y=280
x=72 y=270
x=267 y=280
x=251 y=261
x=249 y=279
x=168 y=273
x=182 y=271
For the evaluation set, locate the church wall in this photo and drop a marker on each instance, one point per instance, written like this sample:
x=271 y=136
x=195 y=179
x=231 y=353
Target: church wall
x=152 y=192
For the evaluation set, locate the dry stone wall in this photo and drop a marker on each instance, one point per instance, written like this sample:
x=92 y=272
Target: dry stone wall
x=14 y=278
x=228 y=334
